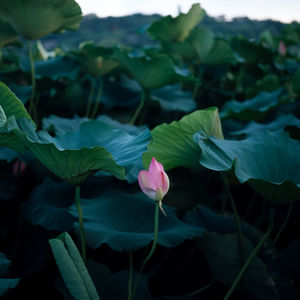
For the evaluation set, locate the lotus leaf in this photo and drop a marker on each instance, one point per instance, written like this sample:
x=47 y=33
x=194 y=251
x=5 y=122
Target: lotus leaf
x=125 y=222
x=76 y=155
x=95 y=60
x=7 y=34
x=173 y=144
x=34 y=19
x=252 y=109
x=266 y=161
x=150 y=72
x=170 y=29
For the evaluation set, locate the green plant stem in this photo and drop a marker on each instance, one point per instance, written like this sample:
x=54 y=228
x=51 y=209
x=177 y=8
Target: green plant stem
x=250 y=206
x=202 y=289
x=31 y=103
x=237 y=219
x=90 y=100
x=284 y=222
x=139 y=108
x=155 y=236
x=80 y=220
x=252 y=255
x=130 y=275
x=97 y=103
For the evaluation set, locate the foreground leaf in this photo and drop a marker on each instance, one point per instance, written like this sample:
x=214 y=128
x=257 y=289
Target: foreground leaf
x=72 y=268
x=10 y=106
x=67 y=157
x=268 y=161
x=173 y=144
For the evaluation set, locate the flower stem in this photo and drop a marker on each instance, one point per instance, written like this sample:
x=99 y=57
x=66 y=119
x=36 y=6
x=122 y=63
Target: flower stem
x=139 y=108
x=252 y=256
x=89 y=104
x=155 y=236
x=31 y=103
x=80 y=220
x=250 y=206
x=130 y=275
x=237 y=219
x=202 y=289
x=97 y=103
x=284 y=222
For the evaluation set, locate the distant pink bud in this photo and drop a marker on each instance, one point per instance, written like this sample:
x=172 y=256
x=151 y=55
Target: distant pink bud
x=18 y=167
x=154 y=182
x=282 y=48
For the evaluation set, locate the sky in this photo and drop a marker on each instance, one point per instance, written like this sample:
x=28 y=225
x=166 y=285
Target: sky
x=282 y=10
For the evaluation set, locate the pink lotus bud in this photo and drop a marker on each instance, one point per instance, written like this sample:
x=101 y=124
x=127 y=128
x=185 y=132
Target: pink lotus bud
x=154 y=182
x=282 y=48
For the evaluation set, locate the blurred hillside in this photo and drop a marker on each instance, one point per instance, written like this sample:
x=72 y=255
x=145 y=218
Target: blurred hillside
x=131 y=30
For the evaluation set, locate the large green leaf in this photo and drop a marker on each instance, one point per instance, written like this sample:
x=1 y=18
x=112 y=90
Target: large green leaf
x=76 y=155
x=72 y=268
x=252 y=109
x=150 y=72
x=34 y=19
x=125 y=222
x=7 y=34
x=10 y=106
x=170 y=29
x=223 y=256
x=173 y=144
x=268 y=161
